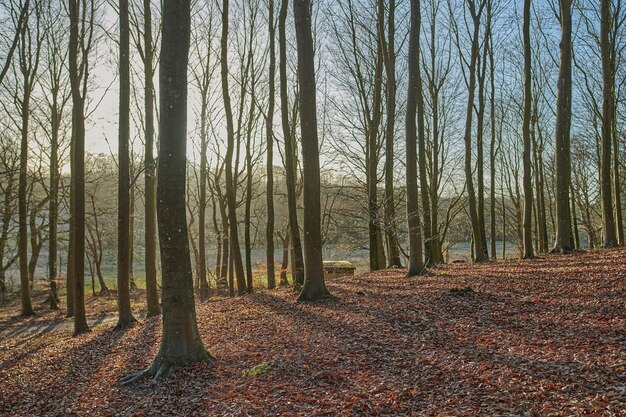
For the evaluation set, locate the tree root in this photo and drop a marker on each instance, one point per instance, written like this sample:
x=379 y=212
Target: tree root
x=125 y=324
x=161 y=368
x=314 y=295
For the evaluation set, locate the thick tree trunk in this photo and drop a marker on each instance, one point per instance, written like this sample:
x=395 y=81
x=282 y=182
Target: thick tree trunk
x=563 y=241
x=526 y=156
x=125 y=317
x=314 y=286
x=181 y=344
x=297 y=264
x=416 y=260
x=78 y=170
x=608 y=113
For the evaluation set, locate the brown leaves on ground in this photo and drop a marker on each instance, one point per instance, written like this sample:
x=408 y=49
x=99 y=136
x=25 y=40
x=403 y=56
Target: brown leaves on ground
x=538 y=337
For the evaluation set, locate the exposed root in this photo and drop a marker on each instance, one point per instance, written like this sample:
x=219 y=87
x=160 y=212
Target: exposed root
x=132 y=378
x=162 y=368
x=316 y=295
x=125 y=324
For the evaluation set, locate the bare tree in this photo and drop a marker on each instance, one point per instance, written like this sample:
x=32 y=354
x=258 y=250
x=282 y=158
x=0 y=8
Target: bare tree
x=416 y=260
x=231 y=191
x=314 y=286
x=526 y=155
x=181 y=344
x=125 y=313
x=29 y=53
x=564 y=241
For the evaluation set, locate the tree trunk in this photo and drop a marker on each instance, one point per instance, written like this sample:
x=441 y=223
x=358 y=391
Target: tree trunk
x=575 y=243
x=248 y=198
x=53 y=212
x=131 y=234
x=479 y=245
x=527 y=180
x=231 y=191
x=480 y=134
x=372 y=146
x=78 y=169
x=181 y=344
x=225 y=242
x=285 y=263
x=314 y=286
x=608 y=113
x=393 y=250
x=563 y=241
x=125 y=317
x=492 y=154
x=202 y=266
x=297 y=264
x=152 y=294
x=269 y=125
x=27 y=306
x=70 y=244
x=7 y=215
x=416 y=260
x=617 y=188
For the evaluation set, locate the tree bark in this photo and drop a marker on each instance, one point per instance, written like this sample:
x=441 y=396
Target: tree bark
x=181 y=344
x=152 y=294
x=314 y=286
x=77 y=72
x=231 y=191
x=269 y=125
x=390 y=205
x=526 y=156
x=479 y=245
x=297 y=264
x=416 y=260
x=563 y=241
x=27 y=306
x=125 y=315
x=608 y=113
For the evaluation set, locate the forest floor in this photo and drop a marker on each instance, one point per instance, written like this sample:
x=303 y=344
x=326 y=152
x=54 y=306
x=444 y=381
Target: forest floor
x=539 y=337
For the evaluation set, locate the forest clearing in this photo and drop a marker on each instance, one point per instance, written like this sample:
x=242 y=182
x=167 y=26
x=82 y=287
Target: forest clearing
x=533 y=337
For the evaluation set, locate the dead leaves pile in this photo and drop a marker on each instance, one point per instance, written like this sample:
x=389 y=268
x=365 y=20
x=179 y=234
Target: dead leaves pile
x=539 y=337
